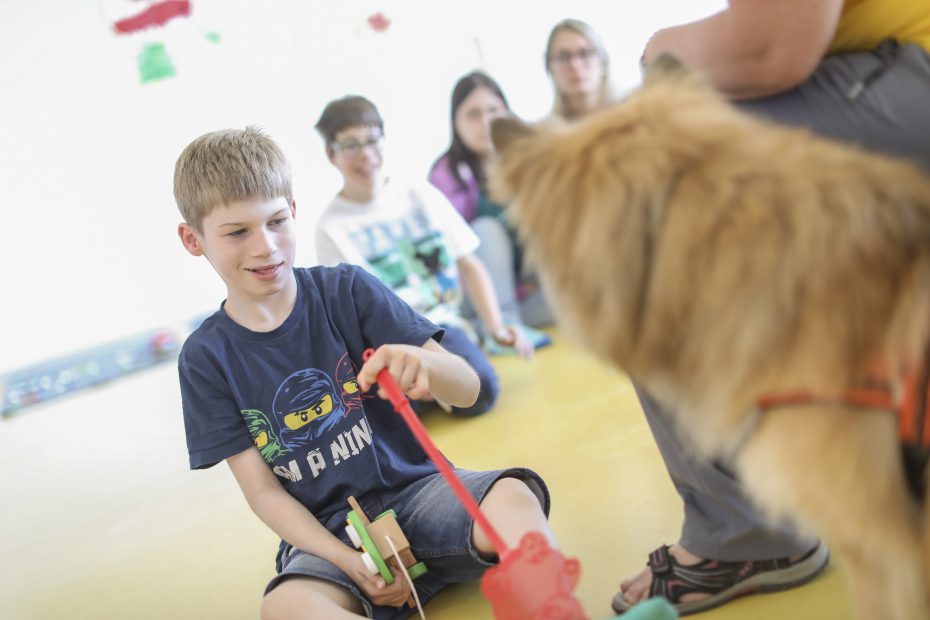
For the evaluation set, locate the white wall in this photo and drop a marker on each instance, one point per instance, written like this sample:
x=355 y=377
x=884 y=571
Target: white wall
x=87 y=152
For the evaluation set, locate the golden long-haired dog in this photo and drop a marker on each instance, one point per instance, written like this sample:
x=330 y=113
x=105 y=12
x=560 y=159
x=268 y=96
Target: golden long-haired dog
x=721 y=260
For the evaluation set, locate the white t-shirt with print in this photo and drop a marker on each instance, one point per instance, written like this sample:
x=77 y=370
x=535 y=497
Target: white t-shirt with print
x=410 y=236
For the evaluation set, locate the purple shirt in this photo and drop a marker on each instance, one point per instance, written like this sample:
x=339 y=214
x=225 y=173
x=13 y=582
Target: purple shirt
x=465 y=200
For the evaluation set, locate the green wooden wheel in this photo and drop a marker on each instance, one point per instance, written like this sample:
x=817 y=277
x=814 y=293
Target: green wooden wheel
x=369 y=546
x=417 y=570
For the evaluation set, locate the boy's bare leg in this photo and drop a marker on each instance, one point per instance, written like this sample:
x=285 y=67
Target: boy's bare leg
x=513 y=509
x=302 y=598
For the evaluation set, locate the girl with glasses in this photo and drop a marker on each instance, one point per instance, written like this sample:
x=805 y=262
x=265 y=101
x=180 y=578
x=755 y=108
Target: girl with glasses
x=460 y=174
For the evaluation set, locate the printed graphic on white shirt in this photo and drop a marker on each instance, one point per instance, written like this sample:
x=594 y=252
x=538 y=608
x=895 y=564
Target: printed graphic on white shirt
x=414 y=260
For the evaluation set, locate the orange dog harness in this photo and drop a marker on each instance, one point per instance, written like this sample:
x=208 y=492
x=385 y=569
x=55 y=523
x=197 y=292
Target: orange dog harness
x=909 y=398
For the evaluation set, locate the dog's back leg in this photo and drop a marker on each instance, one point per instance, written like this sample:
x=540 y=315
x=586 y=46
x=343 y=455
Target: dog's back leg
x=839 y=472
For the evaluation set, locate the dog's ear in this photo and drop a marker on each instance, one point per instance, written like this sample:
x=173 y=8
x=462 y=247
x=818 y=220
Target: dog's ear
x=663 y=67
x=506 y=130
x=512 y=139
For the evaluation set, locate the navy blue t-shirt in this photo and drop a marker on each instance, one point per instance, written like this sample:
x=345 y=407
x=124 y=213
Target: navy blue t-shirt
x=292 y=392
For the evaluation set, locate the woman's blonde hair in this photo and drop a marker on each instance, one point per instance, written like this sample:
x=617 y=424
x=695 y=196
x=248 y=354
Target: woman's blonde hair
x=594 y=40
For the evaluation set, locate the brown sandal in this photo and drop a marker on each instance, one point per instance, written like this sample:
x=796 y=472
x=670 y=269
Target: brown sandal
x=724 y=581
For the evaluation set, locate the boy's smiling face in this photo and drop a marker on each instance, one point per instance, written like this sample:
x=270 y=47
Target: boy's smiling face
x=251 y=245
x=357 y=153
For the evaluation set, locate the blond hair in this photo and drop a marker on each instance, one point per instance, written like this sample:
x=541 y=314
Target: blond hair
x=225 y=166
x=559 y=107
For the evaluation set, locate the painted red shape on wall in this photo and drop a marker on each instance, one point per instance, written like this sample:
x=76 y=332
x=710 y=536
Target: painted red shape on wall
x=379 y=22
x=157 y=14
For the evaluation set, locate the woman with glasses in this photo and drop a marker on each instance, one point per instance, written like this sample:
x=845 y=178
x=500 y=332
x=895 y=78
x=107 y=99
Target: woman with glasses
x=460 y=174
x=578 y=65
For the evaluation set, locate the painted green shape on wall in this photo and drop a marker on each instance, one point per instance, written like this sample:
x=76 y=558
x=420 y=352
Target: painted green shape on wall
x=154 y=63
x=213 y=37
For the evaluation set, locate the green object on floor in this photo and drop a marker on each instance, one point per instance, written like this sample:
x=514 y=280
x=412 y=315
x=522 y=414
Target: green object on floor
x=654 y=609
x=539 y=339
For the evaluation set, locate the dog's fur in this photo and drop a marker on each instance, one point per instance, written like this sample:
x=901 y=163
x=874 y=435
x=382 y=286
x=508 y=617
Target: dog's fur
x=718 y=258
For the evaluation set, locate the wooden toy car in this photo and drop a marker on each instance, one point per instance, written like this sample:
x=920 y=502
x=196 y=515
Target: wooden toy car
x=372 y=538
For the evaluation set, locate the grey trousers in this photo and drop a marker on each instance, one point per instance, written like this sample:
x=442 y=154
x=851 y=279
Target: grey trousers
x=496 y=252
x=879 y=100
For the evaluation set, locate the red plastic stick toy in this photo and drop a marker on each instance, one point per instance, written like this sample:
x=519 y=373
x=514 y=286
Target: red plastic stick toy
x=532 y=582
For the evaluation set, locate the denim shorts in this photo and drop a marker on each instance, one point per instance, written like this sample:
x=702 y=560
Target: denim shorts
x=436 y=525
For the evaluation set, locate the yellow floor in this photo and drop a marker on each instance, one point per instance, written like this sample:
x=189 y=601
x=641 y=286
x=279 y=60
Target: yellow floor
x=101 y=519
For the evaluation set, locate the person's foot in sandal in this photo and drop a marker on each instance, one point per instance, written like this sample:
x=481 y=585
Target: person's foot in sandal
x=693 y=584
x=636 y=588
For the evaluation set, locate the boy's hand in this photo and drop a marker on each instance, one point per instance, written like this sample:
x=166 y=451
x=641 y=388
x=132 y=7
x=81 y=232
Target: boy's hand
x=404 y=363
x=511 y=336
x=374 y=587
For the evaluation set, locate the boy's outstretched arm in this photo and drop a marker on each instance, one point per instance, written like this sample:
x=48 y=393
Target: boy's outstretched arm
x=291 y=520
x=480 y=290
x=423 y=371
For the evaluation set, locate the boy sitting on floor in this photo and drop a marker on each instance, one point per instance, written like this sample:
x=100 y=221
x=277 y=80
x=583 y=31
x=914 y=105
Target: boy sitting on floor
x=269 y=384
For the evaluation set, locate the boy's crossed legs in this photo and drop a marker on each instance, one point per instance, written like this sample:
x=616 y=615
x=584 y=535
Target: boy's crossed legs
x=441 y=534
